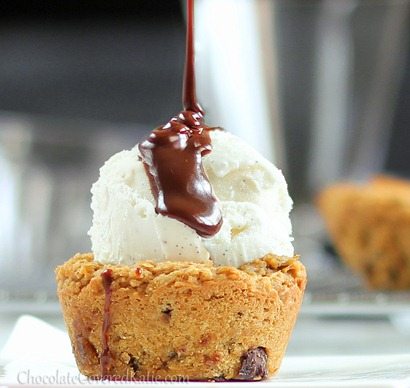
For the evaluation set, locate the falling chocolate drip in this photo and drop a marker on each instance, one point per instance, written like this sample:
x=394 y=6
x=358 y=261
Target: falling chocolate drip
x=172 y=157
x=105 y=359
x=189 y=99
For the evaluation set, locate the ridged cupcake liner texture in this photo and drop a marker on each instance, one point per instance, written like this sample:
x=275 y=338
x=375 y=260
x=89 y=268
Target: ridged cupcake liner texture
x=194 y=321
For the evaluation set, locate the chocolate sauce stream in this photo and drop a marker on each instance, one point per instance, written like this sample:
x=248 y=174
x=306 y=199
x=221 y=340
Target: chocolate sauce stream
x=105 y=359
x=189 y=99
x=172 y=157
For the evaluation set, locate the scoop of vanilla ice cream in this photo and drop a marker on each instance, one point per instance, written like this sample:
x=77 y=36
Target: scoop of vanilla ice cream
x=251 y=191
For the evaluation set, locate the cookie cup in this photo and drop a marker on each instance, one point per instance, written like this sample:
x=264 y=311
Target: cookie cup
x=181 y=320
x=370 y=228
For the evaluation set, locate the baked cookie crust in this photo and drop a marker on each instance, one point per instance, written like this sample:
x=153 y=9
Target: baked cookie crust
x=370 y=227
x=194 y=321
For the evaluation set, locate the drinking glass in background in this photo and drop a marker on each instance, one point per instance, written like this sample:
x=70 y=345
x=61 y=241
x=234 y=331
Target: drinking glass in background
x=312 y=85
x=47 y=167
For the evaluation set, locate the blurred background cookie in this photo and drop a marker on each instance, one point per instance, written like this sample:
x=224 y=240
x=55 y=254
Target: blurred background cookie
x=370 y=228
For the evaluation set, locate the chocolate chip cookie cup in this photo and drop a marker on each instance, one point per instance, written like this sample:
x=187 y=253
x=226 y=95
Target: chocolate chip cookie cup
x=193 y=274
x=369 y=225
x=188 y=320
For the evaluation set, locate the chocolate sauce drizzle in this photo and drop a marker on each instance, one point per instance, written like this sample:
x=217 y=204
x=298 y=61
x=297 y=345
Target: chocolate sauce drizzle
x=189 y=99
x=105 y=358
x=172 y=157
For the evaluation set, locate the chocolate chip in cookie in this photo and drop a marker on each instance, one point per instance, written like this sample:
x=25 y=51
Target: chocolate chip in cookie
x=133 y=363
x=253 y=365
